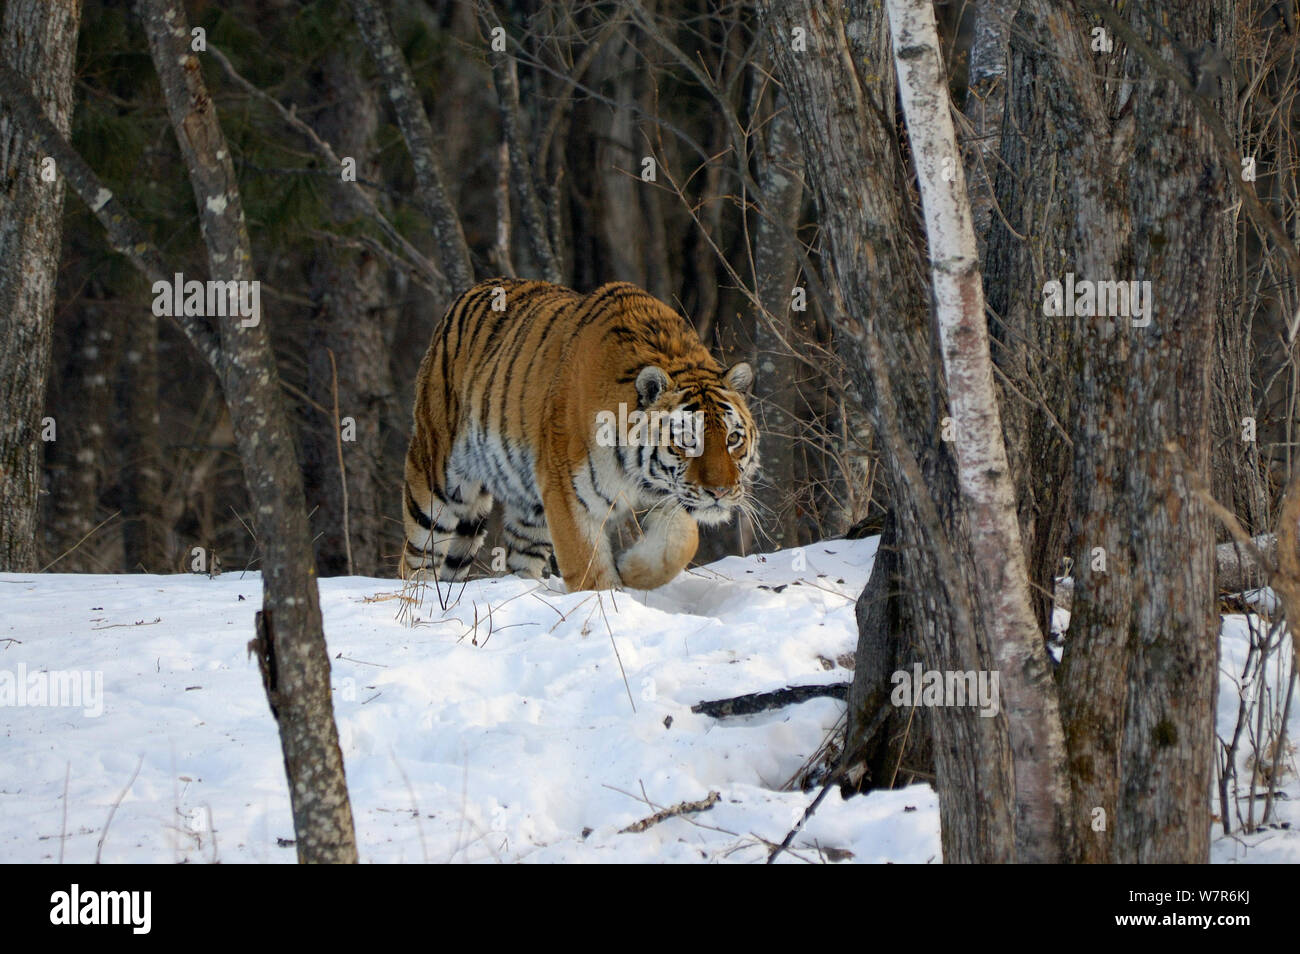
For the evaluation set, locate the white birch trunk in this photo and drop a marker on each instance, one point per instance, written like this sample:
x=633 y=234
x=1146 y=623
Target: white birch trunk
x=984 y=478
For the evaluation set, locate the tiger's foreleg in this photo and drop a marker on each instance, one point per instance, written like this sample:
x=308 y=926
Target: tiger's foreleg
x=668 y=543
x=582 y=550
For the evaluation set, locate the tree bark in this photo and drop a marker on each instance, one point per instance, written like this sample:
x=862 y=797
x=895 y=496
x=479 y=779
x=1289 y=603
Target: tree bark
x=986 y=96
x=83 y=403
x=143 y=531
x=902 y=745
x=841 y=90
x=1033 y=355
x=39 y=39
x=625 y=214
x=776 y=264
x=290 y=644
x=983 y=474
x=532 y=213
x=1147 y=187
x=453 y=253
x=351 y=322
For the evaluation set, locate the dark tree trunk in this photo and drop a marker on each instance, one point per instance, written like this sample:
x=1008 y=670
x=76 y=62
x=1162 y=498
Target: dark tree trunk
x=1239 y=475
x=1032 y=353
x=83 y=401
x=776 y=264
x=38 y=39
x=532 y=212
x=625 y=209
x=841 y=91
x=143 y=531
x=1147 y=188
x=886 y=745
x=351 y=321
x=1240 y=478
x=986 y=96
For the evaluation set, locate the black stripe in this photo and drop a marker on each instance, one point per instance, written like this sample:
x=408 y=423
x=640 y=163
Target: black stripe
x=537 y=551
x=591 y=473
x=471 y=528
x=479 y=302
x=624 y=334
x=466 y=309
x=414 y=510
x=446 y=374
x=520 y=542
x=544 y=332
x=458 y=562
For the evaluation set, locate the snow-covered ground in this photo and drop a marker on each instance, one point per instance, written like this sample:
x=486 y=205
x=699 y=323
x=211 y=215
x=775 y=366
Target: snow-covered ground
x=537 y=736
x=1276 y=843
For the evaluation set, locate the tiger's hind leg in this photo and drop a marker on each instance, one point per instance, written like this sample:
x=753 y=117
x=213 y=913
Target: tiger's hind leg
x=667 y=544
x=445 y=523
x=528 y=542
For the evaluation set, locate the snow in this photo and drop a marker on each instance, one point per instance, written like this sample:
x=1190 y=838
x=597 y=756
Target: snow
x=515 y=741
x=1274 y=844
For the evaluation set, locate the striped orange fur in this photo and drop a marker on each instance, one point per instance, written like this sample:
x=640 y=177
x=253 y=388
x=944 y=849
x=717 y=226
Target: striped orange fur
x=512 y=404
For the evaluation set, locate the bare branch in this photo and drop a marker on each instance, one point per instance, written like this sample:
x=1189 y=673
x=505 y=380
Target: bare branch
x=418 y=134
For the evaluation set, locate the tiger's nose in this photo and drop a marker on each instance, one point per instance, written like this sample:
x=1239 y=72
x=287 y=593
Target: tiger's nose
x=719 y=492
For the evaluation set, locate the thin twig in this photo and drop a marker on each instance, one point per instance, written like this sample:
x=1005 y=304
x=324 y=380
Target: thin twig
x=431 y=273
x=836 y=773
x=99 y=848
x=338 y=444
x=81 y=541
x=601 y=603
x=63 y=830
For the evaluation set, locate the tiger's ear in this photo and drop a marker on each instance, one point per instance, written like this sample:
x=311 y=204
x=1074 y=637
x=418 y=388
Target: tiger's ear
x=651 y=383
x=739 y=377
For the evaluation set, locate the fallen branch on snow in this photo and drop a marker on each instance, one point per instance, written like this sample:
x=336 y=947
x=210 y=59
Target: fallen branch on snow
x=763 y=701
x=681 y=808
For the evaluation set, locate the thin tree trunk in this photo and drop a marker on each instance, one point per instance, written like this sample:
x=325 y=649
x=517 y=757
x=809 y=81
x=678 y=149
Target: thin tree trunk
x=350 y=322
x=617 y=203
x=143 y=530
x=83 y=403
x=986 y=96
x=776 y=261
x=290 y=643
x=1033 y=355
x=1240 y=475
x=38 y=38
x=453 y=253
x=987 y=491
x=532 y=214
x=841 y=91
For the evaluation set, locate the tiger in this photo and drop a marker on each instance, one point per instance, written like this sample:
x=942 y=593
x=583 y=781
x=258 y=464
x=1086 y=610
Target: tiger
x=514 y=402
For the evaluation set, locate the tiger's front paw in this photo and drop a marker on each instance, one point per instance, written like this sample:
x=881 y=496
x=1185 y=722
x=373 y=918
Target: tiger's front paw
x=593 y=579
x=665 y=548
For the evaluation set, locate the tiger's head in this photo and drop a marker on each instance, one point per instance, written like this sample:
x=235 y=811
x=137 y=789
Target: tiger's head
x=702 y=447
